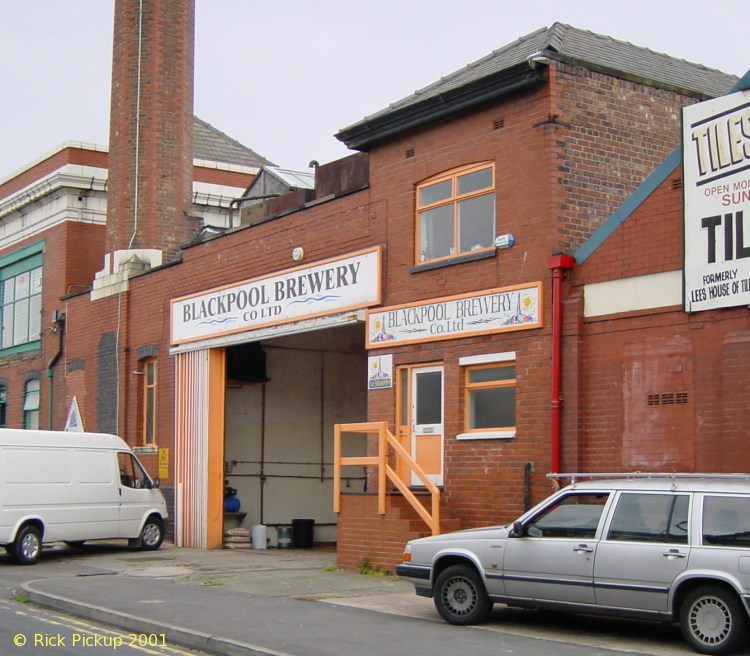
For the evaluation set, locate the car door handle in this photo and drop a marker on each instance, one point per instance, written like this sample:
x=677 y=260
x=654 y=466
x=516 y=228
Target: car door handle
x=583 y=548
x=674 y=553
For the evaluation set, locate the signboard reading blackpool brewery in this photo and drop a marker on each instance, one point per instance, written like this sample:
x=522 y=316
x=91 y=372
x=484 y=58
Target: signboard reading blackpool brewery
x=327 y=287
x=716 y=173
x=490 y=311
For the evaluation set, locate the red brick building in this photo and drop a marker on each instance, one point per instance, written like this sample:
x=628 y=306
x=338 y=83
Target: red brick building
x=654 y=381
x=413 y=286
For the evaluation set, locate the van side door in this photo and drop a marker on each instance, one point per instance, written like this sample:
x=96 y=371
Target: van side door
x=135 y=494
x=92 y=510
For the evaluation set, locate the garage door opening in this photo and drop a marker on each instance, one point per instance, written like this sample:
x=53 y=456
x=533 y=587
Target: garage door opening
x=283 y=398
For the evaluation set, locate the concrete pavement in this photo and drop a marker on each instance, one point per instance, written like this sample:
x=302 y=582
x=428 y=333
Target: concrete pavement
x=240 y=602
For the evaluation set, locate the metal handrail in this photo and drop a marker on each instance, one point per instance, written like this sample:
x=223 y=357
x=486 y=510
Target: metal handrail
x=386 y=439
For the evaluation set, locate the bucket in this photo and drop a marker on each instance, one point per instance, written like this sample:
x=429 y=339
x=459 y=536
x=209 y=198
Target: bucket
x=302 y=533
x=284 y=534
x=259 y=537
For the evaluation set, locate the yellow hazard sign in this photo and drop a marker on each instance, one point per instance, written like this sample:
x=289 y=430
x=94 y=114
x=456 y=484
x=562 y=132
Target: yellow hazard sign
x=163 y=463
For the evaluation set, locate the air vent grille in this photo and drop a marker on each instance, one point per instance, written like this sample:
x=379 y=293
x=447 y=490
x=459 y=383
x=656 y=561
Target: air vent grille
x=668 y=398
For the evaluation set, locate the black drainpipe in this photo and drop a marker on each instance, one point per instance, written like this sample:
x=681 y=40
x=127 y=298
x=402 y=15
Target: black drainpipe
x=59 y=328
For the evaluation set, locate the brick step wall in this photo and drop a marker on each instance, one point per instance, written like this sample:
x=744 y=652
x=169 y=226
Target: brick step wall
x=367 y=538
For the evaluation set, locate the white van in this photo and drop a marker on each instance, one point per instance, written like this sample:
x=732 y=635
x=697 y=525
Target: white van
x=72 y=487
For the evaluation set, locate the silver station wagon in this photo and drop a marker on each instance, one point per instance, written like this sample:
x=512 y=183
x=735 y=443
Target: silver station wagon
x=668 y=547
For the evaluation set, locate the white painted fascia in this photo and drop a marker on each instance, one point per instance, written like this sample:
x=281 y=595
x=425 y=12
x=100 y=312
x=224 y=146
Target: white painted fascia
x=647 y=292
x=226 y=166
x=215 y=195
x=70 y=175
x=269 y=332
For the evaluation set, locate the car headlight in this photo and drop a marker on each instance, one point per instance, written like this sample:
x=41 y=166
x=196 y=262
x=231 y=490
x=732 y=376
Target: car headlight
x=407 y=552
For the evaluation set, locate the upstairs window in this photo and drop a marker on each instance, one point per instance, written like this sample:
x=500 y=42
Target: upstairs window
x=456 y=213
x=21 y=299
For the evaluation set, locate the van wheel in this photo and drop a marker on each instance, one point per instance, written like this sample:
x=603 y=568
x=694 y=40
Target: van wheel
x=713 y=621
x=152 y=534
x=460 y=597
x=27 y=546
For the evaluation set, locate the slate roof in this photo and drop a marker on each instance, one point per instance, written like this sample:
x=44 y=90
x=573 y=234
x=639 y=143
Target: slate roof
x=565 y=43
x=215 y=146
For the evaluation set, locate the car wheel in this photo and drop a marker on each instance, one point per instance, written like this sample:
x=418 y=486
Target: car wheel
x=27 y=546
x=713 y=621
x=460 y=597
x=152 y=534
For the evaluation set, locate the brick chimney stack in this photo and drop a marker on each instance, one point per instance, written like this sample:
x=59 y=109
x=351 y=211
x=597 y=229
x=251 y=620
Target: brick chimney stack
x=151 y=133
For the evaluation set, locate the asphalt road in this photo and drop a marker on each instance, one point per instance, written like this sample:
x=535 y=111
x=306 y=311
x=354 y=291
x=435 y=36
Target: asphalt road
x=27 y=630
x=293 y=603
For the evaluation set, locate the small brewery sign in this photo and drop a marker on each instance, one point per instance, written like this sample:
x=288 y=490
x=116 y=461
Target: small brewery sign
x=491 y=311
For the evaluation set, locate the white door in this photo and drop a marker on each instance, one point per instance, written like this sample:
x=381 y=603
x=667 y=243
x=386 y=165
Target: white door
x=426 y=421
x=135 y=495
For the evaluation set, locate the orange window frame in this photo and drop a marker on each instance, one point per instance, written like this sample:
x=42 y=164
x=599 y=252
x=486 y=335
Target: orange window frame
x=150 y=380
x=453 y=175
x=469 y=387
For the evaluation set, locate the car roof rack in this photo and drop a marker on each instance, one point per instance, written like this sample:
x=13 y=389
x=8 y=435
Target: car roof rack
x=574 y=476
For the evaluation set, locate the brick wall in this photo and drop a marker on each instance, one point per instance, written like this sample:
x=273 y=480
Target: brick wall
x=151 y=127
x=71 y=256
x=221 y=177
x=375 y=540
x=609 y=134
x=629 y=365
x=556 y=180
x=566 y=156
x=70 y=155
x=142 y=316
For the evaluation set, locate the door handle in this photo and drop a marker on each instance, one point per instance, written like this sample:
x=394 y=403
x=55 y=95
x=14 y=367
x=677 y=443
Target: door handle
x=674 y=553
x=583 y=548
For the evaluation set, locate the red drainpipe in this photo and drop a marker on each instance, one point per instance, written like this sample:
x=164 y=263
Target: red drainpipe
x=559 y=265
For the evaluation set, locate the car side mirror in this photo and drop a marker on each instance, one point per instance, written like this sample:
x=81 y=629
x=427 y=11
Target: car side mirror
x=155 y=483
x=517 y=531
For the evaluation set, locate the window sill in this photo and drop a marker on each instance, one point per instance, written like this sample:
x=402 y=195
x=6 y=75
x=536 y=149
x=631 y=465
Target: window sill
x=487 y=435
x=21 y=351
x=458 y=259
x=151 y=448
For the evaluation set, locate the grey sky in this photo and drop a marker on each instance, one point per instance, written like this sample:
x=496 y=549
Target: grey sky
x=282 y=76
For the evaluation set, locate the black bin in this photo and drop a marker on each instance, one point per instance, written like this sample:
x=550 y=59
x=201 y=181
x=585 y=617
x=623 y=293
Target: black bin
x=302 y=533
